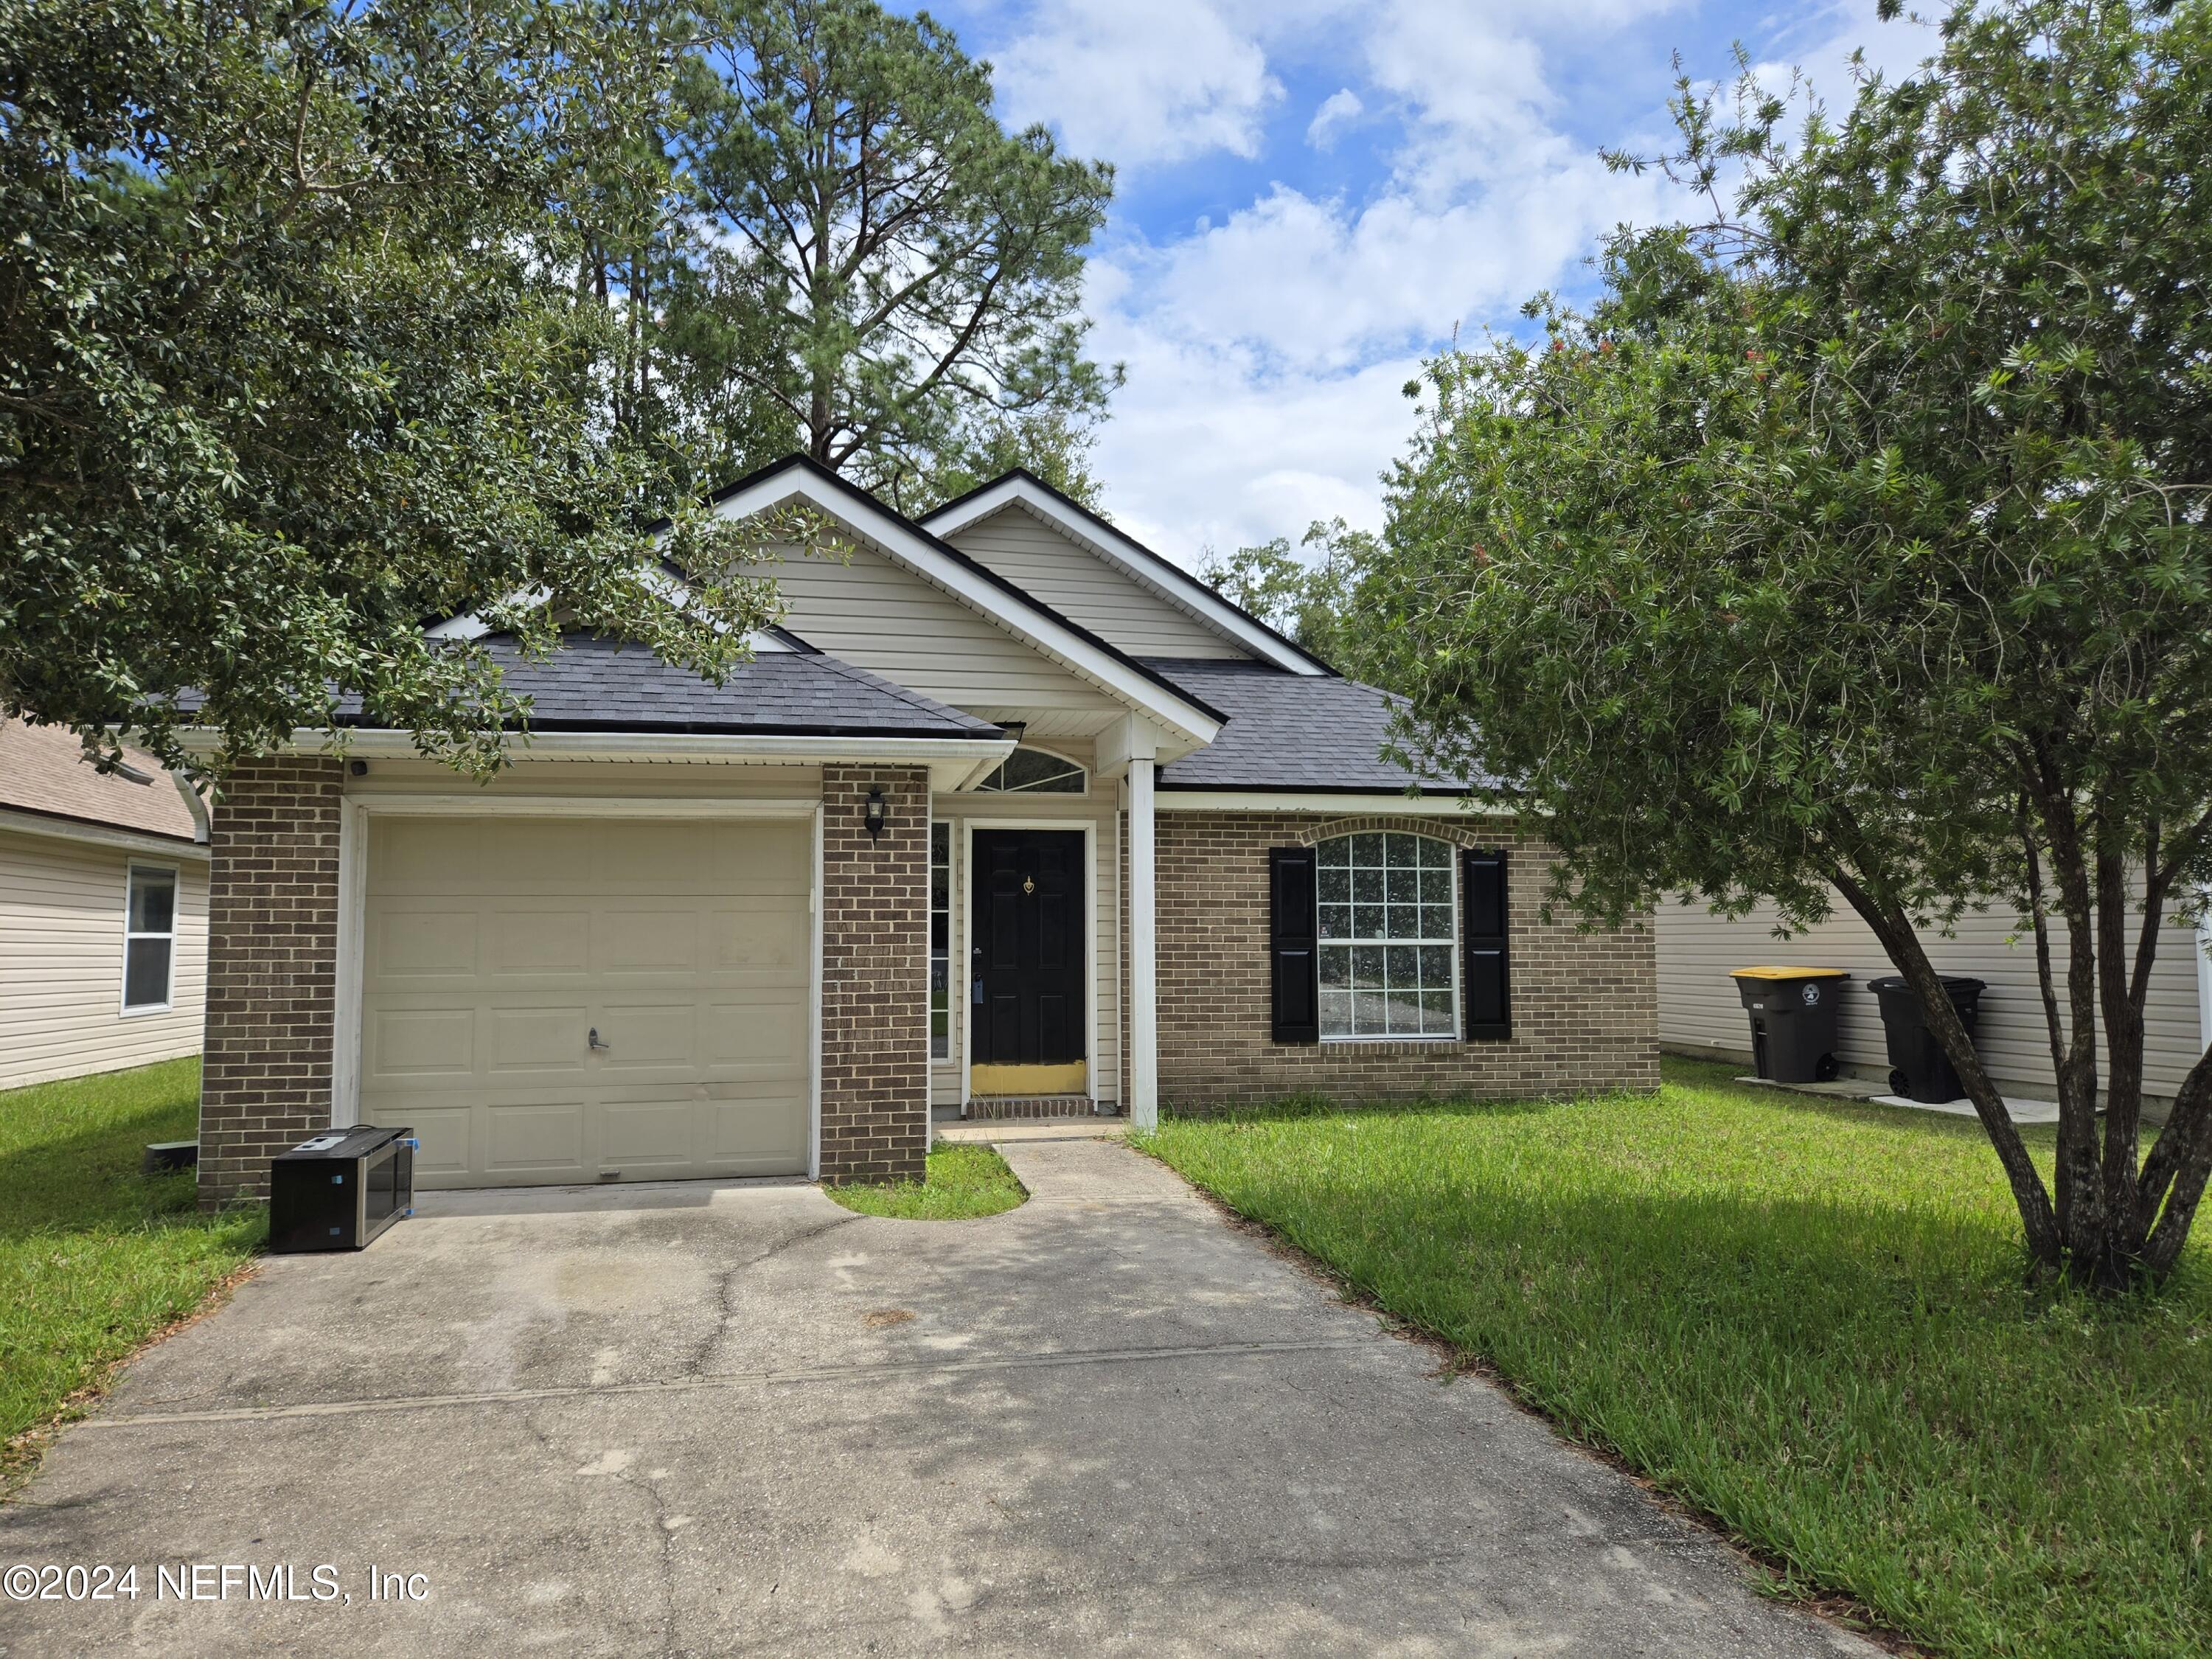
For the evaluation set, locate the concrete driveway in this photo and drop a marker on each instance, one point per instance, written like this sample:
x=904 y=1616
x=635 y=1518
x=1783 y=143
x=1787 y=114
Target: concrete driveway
x=707 y=1418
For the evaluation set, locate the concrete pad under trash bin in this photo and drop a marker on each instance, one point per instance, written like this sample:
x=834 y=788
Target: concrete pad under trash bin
x=2023 y=1111
x=1857 y=1089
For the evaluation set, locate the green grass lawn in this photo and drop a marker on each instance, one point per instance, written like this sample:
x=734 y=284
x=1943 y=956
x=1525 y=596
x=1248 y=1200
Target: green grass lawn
x=1807 y=1320
x=94 y=1257
x=962 y=1184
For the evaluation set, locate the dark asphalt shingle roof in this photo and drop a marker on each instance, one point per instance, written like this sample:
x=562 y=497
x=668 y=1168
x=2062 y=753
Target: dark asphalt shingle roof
x=591 y=686
x=1289 y=732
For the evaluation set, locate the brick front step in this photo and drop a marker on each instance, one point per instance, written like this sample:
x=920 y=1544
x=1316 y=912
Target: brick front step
x=1034 y=1106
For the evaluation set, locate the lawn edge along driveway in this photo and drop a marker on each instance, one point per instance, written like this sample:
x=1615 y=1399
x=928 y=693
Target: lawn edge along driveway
x=962 y=1182
x=98 y=1262
x=1805 y=1320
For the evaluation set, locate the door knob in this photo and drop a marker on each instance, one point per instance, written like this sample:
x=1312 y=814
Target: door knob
x=594 y=1038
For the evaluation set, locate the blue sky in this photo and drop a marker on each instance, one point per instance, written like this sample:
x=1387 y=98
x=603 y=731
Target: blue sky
x=1314 y=193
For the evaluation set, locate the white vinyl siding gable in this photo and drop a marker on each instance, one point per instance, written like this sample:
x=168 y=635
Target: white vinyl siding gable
x=1700 y=1013
x=1075 y=581
x=881 y=617
x=62 y=951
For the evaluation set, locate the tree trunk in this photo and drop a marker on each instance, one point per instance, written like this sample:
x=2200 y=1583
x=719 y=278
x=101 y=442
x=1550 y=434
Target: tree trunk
x=2038 y=1222
x=2082 y=1221
x=2121 y=1249
x=2173 y=1175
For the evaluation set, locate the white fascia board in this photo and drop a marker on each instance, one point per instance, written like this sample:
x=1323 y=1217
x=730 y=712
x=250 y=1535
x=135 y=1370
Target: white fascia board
x=99 y=834
x=1139 y=563
x=1035 y=628
x=950 y=760
x=1317 y=800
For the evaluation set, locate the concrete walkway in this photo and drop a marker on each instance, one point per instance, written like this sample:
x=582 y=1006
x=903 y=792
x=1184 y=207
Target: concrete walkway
x=708 y=1418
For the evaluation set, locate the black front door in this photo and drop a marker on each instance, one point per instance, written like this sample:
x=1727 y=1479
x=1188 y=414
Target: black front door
x=1028 y=995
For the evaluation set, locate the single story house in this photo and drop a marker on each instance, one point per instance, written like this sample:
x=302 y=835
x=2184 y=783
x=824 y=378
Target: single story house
x=1010 y=816
x=1700 y=1013
x=103 y=910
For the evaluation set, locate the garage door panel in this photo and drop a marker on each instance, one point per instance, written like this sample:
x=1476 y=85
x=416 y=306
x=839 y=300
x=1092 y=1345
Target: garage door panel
x=759 y=936
x=524 y=1038
x=761 y=1035
x=640 y=1034
x=658 y=858
x=637 y=939
x=426 y=857
x=767 y=1129
x=649 y=1132
x=544 y=1138
x=446 y=1155
x=538 y=941
x=424 y=938
x=419 y=1043
x=546 y=856
x=772 y=860
x=494 y=946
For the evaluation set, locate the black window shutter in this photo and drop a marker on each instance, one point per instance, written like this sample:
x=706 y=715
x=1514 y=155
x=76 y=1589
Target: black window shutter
x=1293 y=925
x=1485 y=970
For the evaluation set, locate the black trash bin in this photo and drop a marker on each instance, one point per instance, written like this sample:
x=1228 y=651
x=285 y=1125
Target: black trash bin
x=1918 y=1068
x=1793 y=1021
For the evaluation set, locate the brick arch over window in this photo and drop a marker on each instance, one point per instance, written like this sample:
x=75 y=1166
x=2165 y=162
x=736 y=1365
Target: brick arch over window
x=1459 y=831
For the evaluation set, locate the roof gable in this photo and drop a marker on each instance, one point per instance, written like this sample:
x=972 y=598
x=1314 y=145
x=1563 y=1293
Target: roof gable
x=1042 y=558
x=43 y=769
x=983 y=591
x=1136 y=563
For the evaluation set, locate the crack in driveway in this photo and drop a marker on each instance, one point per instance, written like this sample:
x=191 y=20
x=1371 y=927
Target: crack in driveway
x=690 y=1384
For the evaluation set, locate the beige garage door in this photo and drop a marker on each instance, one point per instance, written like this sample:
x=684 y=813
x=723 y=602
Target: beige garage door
x=494 y=948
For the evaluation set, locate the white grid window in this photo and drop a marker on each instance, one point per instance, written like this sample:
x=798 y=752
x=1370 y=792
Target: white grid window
x=940 y=940
x=149 y=938
x=1389 y=940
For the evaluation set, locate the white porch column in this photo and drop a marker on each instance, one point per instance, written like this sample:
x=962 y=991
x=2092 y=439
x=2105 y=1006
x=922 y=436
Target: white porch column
x=1143 y=963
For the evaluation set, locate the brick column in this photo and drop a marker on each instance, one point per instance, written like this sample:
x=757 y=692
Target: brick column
x=272 y=968
x=875 y=975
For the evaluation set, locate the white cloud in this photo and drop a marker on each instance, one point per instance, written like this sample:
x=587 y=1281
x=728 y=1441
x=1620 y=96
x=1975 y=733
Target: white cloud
x=1338 y=111
x=1266 y=349
x=1140 y=82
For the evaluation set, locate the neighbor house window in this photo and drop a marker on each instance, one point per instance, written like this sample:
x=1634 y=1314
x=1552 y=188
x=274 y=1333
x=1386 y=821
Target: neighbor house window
x=940 y=940
x=1034 y=772
x=150 y=938
x=1388 y=941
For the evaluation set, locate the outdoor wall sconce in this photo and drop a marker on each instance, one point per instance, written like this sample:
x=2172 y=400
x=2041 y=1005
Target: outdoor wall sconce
x=871 y=816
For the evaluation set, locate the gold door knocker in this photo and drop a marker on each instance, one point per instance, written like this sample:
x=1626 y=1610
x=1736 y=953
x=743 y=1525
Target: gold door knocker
x=1029 y=883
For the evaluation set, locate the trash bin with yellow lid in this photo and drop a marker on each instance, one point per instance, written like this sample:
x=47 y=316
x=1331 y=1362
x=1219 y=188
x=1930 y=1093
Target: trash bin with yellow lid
x=1793 y=1021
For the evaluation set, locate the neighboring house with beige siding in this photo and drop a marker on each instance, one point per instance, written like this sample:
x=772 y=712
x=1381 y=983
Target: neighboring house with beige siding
x=103 y=911
x=1700 y=1013
x=1009 y=818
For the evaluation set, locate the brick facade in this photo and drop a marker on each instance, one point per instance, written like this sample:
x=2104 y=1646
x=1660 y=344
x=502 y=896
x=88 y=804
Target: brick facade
x=875 y=976
x=1584 y=1005
x=272 y=955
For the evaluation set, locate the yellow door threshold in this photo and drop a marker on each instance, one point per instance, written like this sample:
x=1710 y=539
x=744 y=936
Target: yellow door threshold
x=1070 y=1078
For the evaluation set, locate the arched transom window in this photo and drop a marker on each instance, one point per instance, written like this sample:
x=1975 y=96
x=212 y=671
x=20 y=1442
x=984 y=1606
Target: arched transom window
x=1034 y=772
x=1387 y=942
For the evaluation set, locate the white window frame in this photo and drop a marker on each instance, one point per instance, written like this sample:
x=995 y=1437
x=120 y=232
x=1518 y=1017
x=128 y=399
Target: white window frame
x=1082 y=773
x=1456 y=943
x=951 y=900
x=128 y=1009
